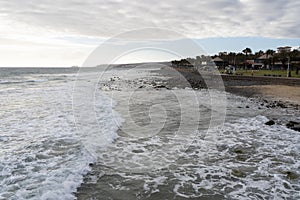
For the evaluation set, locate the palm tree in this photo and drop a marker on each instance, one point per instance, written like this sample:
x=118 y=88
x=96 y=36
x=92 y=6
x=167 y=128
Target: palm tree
x=259 y=53
x=294 y=55
x=232 y=58
x=270 y=52
x=246 y=51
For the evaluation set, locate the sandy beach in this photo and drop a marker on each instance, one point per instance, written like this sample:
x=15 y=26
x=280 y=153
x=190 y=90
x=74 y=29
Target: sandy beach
x=289 y=94
x=283 y=90
x=273 y=89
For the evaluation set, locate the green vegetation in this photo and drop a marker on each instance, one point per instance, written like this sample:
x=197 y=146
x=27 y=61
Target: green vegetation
x=262 y=63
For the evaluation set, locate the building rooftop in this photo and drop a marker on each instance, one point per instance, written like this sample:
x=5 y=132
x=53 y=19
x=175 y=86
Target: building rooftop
x=217 y=59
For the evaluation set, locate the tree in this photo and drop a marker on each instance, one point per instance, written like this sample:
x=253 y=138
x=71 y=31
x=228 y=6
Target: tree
x=246 y=51
x=191 y=61
x=232 y=58
x=269 y=53
x=259 y=53
x=295 y=55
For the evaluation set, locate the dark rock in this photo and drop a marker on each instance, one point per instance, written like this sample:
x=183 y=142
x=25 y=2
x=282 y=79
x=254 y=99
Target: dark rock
x=247 y=106
x=137 y=151
x=281 y=105
x=270 y=123
x=238 y=151
x=271 y=105
x=291 y=175
x=159 y=86
x=293 y=125
x=238 y=173
x=242 y=157
x=91 y=164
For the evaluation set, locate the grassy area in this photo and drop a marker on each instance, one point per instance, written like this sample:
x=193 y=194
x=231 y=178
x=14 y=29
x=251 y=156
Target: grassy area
x=278 y=73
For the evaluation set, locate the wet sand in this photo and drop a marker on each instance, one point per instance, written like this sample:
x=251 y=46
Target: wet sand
x=290 y=94
x=283 y=90
x=274 y=89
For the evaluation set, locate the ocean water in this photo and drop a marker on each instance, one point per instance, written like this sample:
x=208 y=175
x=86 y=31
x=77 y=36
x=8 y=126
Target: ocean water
x=114 y=134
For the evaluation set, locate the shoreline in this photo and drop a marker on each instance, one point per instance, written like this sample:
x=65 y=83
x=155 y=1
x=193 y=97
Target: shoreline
x=271 y=89
x=283 y=90
x=105 y=180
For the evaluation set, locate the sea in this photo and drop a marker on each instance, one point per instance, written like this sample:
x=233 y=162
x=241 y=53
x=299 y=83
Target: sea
x=123 y=133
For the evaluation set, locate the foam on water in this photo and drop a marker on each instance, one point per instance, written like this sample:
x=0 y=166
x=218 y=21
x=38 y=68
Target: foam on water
x=243 y=159
x=250 y=160
x=42 y=155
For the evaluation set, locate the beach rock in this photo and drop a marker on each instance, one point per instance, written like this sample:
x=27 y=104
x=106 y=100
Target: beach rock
x=293 y=125
x=281 y=105
x=238 y=150
x=161 y=86
x=238 y=173
x=153 y=83
x=242 y=157
x=270 y=123
x=137 y=151
x=271 y=105
x=292 y=175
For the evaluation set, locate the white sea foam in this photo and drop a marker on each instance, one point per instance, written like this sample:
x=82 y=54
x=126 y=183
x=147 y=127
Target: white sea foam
x=42 y=155
x=246 y=159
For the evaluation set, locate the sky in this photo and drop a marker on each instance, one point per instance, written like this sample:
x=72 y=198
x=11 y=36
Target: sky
x=65 y=32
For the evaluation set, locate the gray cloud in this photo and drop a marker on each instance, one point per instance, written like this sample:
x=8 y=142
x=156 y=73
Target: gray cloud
x=206 y=18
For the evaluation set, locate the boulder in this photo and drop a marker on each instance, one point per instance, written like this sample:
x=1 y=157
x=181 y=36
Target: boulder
x=270 y=123
x=293 y=125
x=238 y=173
x=281 y=105
x=292 y=175
x=137 y=151
x=160 y=86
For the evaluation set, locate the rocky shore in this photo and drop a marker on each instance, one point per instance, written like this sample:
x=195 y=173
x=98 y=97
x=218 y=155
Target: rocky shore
x=270 y=91
x=270 y=121
x=274 y=89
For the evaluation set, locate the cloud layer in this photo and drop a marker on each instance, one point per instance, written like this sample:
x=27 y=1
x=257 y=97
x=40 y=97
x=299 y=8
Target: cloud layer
x=197 y=19
x=64 y=32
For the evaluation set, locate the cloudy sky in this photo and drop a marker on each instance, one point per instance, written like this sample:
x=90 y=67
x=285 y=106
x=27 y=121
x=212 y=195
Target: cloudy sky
x=65 y=32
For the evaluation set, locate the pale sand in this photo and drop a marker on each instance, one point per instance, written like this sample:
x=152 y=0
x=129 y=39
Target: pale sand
x=276 y=92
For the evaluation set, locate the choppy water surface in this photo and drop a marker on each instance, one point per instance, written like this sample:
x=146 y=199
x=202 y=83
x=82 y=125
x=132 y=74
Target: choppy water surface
x=147 y=143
